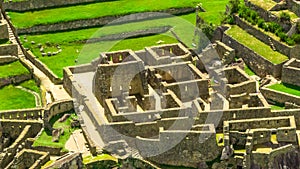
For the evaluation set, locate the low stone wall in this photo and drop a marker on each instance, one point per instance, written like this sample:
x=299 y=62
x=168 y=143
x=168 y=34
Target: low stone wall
x=280 y=47
x=56 y=108
x=132 y=34
x=14 y=79
x=22 y=114
x=279 y=97
x=256 y=62
x=42 y=67
x=52 y=150
x=30 y=5
x=94 y=22
x=3 y=31
x=290 y=72
x=268 y=16
x=9 y=49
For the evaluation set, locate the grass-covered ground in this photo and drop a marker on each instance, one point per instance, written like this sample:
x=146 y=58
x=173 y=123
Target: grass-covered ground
x=265 y=4
x=286 y=88
x=31 y=85
x=94 y=10
x=14 y=98
x=45 y=138
x=213 y=8
x=71 y=45
x=101 y=157
x=12 y=69
x=256 y=45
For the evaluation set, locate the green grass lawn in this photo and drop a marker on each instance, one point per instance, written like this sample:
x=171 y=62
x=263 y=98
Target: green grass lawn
x=45 y=138
x=214 y=10
x=14 y=98
x=277 y=107
x=256 y=45
x=265 y=4
x=31 y=85
x=286 y=88
x=12 y=69
x=120 y=7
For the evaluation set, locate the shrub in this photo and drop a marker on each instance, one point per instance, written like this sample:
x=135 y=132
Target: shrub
x=284 y=16
x=290 y=41
x=260 y=23
x=234 y=6
x=296 y=38
x=266 y=26
x=253 y=15
x=273 y=27
x=283 y=37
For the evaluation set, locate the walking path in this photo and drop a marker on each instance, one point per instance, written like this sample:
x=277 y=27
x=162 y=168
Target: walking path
x=57 y=91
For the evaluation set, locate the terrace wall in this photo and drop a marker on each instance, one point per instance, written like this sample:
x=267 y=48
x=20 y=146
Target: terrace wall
x=22 y=114
x=279 y=97
x=9 y=49
x=42 y=67
x=86 y=23
x=280 y=47
x=291 y=72
x=14 y=79
x=256 y=62
x=29 y=5
x=294 y=6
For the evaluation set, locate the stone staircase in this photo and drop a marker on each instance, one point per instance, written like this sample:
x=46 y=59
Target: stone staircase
x=272 y=44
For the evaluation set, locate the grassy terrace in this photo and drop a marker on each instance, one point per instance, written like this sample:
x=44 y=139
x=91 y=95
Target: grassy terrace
x=111 y=8
x=265 y=4
x=256 y=45
x=14 y=98
x=292 y=14
x=71 y=45
x=45 y=138
x=286 y=88
x=120 y=7
x=12 y=69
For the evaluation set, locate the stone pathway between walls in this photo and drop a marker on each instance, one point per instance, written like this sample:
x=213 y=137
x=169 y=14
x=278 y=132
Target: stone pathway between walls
x=57 y=91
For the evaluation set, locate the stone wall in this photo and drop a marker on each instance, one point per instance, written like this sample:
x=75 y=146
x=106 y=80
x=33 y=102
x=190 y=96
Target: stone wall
x=14 y=79
x=56 y=108
x=30 y=5
x=291 y=72
x=279 y=97
x=9 y=49
x=94 y=22
x=268 y=16
x=53 y=77
x=280 y=47
x=294 y=6
x=73 y=160
x=22 y=114
x=52 y=150
x=256 y=62
x=3 y=31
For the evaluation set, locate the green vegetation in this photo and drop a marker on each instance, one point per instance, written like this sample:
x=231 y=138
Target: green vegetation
x=31 y=85
x=277 y=107
x=265 y=4
x=270 y=28
x=45 y=138
x=94 y=10
x=214 y=11
x=12 y=69
x=249 y=71
x=285 y=15
x=256 y=45
x=101 y=157
x=218 y=136
x=14 y=98
x=286 y=88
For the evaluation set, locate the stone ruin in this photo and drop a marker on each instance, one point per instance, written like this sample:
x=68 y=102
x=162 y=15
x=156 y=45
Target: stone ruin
x=159 y=104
